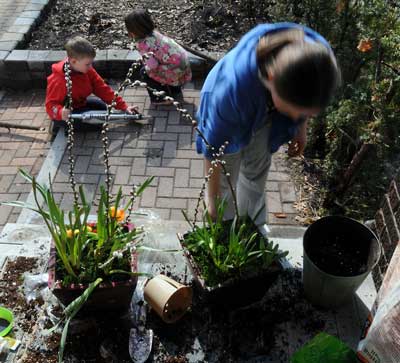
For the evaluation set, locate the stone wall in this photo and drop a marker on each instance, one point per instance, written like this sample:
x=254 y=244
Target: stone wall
x=24 y=68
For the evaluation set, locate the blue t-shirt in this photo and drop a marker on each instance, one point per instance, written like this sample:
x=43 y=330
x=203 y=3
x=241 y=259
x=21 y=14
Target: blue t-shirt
x=233 y=98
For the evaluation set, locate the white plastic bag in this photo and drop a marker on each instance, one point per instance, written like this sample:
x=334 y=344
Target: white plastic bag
x=381 y=341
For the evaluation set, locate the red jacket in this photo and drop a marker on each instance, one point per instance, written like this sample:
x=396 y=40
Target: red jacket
x=83 y=85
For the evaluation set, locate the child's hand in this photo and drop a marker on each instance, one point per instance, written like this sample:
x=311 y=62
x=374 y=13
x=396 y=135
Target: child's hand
x=132 y=109
x=65 y=113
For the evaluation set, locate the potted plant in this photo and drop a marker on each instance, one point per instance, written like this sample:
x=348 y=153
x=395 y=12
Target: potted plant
x=232 y=262
x=83 y=250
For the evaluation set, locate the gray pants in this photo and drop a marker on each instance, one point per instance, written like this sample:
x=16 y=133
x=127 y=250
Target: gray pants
x=249 y=169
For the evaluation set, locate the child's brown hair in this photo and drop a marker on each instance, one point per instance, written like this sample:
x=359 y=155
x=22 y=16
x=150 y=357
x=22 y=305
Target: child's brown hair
x=304 y=73
x=139 y=23
x=78 y=47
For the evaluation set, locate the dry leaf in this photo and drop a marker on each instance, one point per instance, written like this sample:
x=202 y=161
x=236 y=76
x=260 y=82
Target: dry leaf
x=365 y=45
x=280 y=215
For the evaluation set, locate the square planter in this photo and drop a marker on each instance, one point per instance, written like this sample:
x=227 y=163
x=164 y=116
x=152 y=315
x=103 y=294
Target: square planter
x=234 y=292
x=108 y=295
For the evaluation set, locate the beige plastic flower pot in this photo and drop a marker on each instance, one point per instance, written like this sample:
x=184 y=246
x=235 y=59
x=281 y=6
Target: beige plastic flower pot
x=168 y=298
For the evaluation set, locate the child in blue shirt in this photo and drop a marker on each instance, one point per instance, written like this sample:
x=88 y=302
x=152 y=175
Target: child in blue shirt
x=257 y=98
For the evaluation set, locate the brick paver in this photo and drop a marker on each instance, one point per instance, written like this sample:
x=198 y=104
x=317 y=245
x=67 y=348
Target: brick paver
x=20 y=148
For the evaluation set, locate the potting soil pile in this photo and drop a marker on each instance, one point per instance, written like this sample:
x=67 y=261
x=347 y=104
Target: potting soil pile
x=253 y=333
x=381 y=342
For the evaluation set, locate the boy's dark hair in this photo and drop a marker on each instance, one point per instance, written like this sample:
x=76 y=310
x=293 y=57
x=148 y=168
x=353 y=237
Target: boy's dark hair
x=304 y=73
x=78 y=47
x=139 y=23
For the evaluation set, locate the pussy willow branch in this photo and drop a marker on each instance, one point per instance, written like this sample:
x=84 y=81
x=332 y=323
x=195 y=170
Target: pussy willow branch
x=106 y=150
x=215 y=156
x=70 y=137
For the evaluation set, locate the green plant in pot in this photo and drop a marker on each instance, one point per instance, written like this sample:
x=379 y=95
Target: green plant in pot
x=233 y=263
x=226 y=250
x=84 y=250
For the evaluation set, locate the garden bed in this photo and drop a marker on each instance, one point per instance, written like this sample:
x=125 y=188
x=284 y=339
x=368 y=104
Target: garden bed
x=204 y=25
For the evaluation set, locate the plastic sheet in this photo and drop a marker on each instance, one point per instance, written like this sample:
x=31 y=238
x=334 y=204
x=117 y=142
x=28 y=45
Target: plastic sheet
x=140 y=338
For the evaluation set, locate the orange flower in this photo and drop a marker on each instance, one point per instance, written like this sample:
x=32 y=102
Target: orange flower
x=365 y=45
x=70 y=233
x=112 y=212
x=118 y=214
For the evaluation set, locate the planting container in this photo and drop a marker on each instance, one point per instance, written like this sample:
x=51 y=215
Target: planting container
x=330 y=243
x=234 y=292
x=169 y=299
x=108 y=295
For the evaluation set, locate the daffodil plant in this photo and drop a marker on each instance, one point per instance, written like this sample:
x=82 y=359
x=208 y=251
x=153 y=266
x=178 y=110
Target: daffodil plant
x=227 y=249
x=88 y=250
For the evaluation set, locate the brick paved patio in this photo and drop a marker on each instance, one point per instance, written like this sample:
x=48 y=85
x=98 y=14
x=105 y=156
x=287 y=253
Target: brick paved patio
x=163 y=149
x=20 y=148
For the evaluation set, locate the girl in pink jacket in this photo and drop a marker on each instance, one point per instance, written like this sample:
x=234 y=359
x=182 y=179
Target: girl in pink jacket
x=168 y=68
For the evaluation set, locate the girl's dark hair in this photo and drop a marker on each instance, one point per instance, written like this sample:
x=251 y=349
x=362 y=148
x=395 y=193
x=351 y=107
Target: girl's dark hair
x=139 y=22
x=304 y=73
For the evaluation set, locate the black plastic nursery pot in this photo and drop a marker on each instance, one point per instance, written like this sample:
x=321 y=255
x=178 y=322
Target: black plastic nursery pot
x=107 y=296
x=339 y=253
x=234 y=292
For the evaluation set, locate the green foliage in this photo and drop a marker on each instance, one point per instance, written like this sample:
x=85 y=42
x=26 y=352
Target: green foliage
x=366 y=109
x=86 y=251
x=227 y=249
x=324 y=348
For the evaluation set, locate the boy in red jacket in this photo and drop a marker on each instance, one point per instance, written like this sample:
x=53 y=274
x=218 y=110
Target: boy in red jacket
x=85 y=81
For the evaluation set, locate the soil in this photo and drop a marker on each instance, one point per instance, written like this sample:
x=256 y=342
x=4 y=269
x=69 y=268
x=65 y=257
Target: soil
x=206 y=333
x=204 y=25
x=252 y=333
x=340 y=254
x=12 y=297
x=25 y=314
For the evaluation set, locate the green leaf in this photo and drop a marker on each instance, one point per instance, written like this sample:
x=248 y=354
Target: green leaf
x=324 y=348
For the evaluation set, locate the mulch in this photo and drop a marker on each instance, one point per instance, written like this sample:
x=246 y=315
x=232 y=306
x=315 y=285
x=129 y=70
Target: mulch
x=203 y=25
